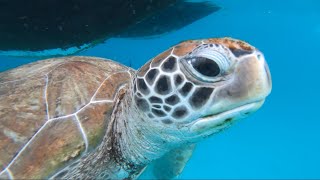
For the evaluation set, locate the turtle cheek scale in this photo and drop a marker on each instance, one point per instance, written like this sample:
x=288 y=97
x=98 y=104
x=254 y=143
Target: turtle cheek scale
x=163 y=85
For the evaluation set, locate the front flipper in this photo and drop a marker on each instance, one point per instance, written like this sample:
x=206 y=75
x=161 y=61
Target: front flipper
x=170 y=165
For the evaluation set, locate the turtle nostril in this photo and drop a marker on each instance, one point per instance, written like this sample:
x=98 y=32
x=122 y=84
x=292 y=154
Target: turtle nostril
x=259 y=56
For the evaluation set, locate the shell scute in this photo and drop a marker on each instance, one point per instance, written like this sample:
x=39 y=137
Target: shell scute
x=50 y=148
x=111 y=85
x=94 y=122
x=20 y=119
x=69 y=89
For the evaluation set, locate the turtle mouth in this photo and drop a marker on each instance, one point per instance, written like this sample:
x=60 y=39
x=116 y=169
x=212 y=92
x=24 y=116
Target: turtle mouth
x=218 y=121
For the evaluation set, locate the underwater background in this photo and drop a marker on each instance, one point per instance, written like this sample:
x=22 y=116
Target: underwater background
x=282 y=139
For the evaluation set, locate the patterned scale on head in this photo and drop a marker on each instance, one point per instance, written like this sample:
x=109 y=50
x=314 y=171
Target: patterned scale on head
x=175 y=87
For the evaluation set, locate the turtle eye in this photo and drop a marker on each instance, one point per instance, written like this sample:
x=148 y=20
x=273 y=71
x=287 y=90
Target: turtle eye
x=205 y=66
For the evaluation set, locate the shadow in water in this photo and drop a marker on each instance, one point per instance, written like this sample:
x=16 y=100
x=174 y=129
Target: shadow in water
x=40 y=27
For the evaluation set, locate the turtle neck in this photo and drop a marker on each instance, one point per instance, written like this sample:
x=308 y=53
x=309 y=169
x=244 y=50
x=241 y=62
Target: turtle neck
x=136 y=139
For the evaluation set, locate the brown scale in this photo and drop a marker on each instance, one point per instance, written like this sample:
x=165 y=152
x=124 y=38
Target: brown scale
x=158 y=59
x=230 y=43
x=185 y=47
x=143 y=70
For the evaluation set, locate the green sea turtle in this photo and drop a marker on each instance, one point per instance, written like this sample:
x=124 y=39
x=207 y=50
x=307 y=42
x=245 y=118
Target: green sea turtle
x=86 y=117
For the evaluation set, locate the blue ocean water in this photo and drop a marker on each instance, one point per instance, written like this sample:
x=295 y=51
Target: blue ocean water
x=282 y=139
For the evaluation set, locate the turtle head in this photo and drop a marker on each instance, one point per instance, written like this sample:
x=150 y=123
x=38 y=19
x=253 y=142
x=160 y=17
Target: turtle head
x=200 y=87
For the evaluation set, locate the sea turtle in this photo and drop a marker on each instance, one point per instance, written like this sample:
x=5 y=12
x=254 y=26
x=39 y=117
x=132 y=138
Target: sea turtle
x=86 y=117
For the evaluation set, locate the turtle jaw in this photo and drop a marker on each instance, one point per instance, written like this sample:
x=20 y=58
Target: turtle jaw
x=214 y=123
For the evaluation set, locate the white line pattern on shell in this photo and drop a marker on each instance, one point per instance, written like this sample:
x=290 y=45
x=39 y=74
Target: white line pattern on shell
x=95 y=93
x=83 y=133
x=10 y=174
x=101 y=84
x=59 y=118
x=102 y=101
x=46 y=96
x=25 y=146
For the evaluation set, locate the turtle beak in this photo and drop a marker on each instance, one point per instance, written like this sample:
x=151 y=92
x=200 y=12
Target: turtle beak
x=243 y=93
x=254 y=77
x=251 y=82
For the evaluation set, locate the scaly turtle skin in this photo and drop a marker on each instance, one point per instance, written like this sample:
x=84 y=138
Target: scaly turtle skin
x=85 y=117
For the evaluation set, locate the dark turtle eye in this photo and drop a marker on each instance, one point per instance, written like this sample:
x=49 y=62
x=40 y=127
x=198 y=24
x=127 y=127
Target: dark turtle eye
x=205 y=66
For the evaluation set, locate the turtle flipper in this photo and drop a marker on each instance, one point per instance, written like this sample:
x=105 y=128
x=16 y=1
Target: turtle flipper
x=170 y=165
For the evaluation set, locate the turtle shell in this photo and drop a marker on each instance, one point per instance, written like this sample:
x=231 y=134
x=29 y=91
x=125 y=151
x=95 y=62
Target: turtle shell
x=53 y=112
